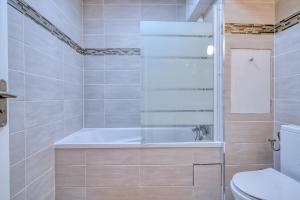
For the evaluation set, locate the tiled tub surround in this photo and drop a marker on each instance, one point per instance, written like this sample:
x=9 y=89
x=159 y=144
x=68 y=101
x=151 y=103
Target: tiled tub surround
x=47 y=77
x=138 y=173
x=113 y=82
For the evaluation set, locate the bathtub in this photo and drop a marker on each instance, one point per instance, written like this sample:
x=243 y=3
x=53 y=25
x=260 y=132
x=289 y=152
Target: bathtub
x=133 y=137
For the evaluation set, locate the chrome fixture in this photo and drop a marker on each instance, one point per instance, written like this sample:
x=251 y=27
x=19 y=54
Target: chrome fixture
x=3 y=102
x=274 y=141
x=201 y=131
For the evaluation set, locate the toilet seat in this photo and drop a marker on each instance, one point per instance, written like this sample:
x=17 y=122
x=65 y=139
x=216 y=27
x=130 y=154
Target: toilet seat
x=267 y=184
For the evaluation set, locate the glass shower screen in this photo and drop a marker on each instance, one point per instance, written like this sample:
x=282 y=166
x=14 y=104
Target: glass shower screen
x=178 y=78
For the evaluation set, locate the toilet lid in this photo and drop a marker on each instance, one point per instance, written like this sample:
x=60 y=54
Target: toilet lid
x=267 y=184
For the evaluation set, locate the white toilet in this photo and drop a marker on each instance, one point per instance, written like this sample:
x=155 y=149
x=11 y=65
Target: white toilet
x=269 y=184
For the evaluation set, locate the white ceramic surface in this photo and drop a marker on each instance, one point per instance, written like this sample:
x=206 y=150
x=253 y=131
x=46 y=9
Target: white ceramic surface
x=132 y=137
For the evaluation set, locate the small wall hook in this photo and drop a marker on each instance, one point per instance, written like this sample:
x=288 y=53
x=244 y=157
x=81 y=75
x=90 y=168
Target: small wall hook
x=251 y=59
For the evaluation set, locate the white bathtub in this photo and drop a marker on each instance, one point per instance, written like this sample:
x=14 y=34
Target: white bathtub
x=133 y=138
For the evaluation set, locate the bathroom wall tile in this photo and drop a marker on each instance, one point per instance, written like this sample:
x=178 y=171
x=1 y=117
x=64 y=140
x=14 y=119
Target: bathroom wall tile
x=93 y=26
x=16 y=147
x=166 y=193
x=158 y=2
x=17 y=178
x=72 y=58
x=122 y=41
x=122 y=77
x=15 y=24
x=285 y=8
x=167 y=156
x=287 y=64
x=20 y=196
x=114 y=193
x=248 y=153
x=249 y=12
x=93 y=106
x=39 y=38
x=114 y=106
x=166 y=175
x=73 y=108
x=122 y=12
x=93 y=1
x=209 y=155
x=69 y=157
x=93 y=91
x=40 y=88
x=97 y=175
x=16 y=84
x=115 y=27
x=73 y=75
x=52 y=67
x=73 y=124
x=287 y=41
x=123 y=62
x=92 y=11
x=122 y=120
x=93 y=77
x=16 y=116
x=288 y=87
x=94 y=41
x=72 y=91
x=43 y=112
x=15 y=55
x=287 y=111
x=208 y=177
x=159 y=13
x=113 y=157
x=121 y=2
x=38 y=164
x=94 y=121
x=42 y=188
x=70 y=193
x=248 y=131
x=69 y=176
x=121 y=92
x=94 y=62
x=39 y=137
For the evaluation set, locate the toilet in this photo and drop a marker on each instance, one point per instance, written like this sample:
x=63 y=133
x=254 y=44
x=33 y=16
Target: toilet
x=269 y=184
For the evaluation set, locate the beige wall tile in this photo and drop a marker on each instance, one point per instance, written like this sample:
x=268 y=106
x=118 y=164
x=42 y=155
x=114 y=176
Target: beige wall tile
x=68 y=175
x=171 y=156
x=166 y=175
x=166 y=193
x=247 y=11
x=248 y=153
x=114 y=193
x=69 y=157
x=285 y=8
x=208 y=176
x=248 y=131
x=208 y=155
x=66 y=193
x=97 y=175
x=113 y=157
x=207 y=194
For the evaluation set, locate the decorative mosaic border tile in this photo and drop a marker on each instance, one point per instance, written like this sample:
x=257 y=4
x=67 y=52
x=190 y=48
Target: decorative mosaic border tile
x=30 y=12
x=257 y=29
x=113 y=51
x=288 y=22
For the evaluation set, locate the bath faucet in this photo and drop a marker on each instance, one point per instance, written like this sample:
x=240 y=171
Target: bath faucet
x=200 y=132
